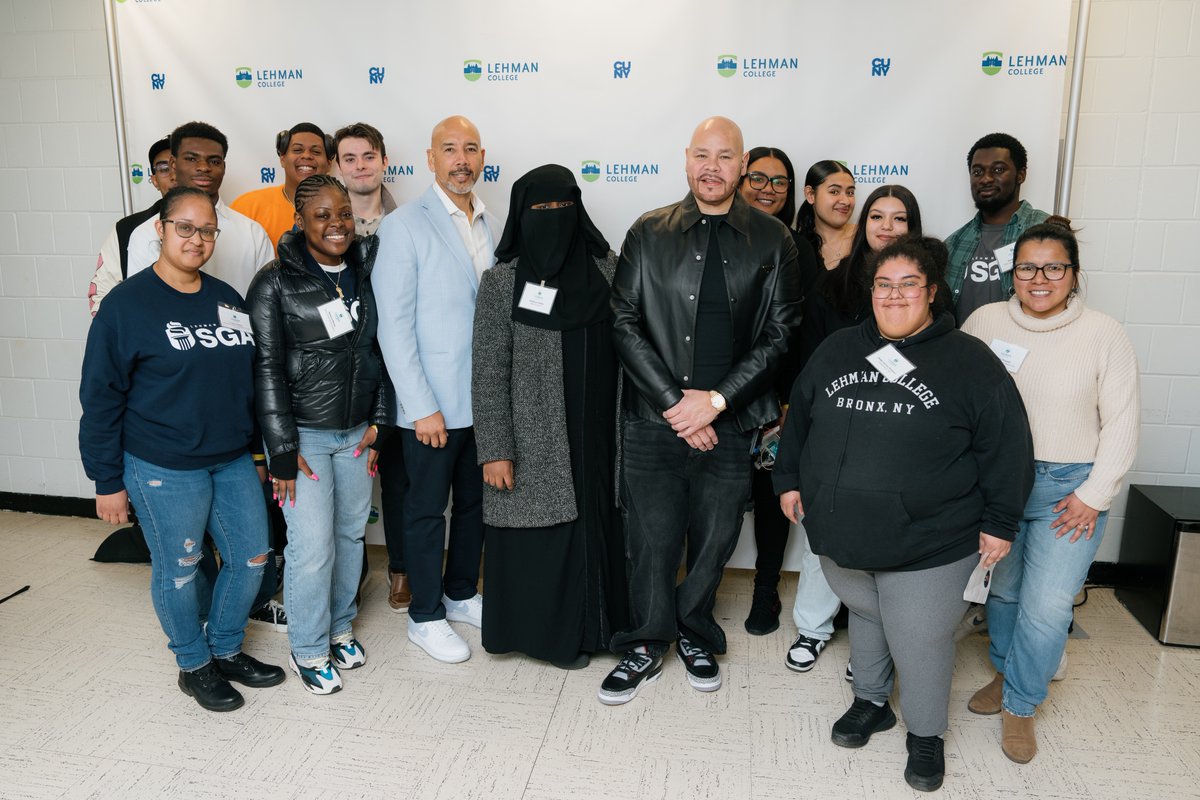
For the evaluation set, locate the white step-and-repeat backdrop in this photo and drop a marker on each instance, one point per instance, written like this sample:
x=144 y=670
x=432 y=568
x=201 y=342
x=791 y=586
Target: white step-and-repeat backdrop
x=897 y=91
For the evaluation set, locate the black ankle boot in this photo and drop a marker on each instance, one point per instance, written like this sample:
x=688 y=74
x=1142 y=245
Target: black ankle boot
x=764 y=611
x=926 y=762
x=210 y=689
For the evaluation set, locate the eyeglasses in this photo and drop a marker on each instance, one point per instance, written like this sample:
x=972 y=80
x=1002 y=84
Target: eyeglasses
x=758 y=180
x=162 y=167
x=186 y=230
x=1052 y=272
x=882 y=290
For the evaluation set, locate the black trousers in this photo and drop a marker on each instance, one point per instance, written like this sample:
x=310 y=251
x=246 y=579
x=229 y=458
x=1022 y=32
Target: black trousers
x=393 y=485
x=432 y=473
x=770 y=530
x=676 y=498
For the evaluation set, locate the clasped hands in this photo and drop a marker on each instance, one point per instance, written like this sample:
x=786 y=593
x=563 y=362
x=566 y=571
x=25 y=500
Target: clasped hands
x=692 y=417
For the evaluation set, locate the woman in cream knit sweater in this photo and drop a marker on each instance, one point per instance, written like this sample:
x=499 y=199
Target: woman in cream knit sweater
x=1077 y=374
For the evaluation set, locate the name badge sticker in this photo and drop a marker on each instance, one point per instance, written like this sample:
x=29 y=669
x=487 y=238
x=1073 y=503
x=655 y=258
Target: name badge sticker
x=234 y=318
x=1011 y=355
x=336 y=317
x=891 y=365
x=1004 y=257
x=537 y=297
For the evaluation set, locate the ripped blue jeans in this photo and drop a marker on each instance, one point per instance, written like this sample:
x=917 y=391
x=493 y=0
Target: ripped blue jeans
x=175 y=507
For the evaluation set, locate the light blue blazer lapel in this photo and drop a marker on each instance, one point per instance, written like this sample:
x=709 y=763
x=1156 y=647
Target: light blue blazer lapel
x=441 y=222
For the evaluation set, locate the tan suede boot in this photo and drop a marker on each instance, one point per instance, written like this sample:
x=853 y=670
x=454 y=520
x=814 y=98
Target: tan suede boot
x=987 y=699
x=1017 y=738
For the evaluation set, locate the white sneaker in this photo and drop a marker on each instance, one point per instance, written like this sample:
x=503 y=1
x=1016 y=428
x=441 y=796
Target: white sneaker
x=439 y=640
x=1061 y=672
x=469 y=611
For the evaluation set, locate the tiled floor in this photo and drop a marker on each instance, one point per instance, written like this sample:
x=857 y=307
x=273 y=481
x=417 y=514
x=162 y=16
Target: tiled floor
x=91 y=710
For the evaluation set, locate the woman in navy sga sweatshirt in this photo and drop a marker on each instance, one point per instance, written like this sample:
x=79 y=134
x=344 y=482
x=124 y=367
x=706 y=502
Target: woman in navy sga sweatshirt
x=907 y=451
x=168 y=425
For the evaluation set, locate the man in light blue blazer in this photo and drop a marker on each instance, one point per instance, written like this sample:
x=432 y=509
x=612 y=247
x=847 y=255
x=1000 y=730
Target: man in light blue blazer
x=432 y=252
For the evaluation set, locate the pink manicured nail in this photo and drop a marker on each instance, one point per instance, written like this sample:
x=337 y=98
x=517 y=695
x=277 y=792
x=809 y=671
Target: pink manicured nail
x=314 y=477
x=357 y=453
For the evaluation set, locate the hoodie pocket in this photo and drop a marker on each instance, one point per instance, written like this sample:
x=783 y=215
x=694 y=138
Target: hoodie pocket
x=863 y=528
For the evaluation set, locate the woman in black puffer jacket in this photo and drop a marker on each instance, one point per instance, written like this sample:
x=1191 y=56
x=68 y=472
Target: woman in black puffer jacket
x=321 y=399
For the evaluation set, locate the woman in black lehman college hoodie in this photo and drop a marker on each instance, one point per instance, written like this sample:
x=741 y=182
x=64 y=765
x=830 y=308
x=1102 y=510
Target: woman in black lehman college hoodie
x=907 y=452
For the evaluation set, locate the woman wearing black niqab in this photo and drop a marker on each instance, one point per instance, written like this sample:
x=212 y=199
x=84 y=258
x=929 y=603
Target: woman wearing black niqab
x=544 y=395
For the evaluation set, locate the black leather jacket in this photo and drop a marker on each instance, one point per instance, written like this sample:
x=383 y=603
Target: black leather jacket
x=302 y=378
x=655 y=301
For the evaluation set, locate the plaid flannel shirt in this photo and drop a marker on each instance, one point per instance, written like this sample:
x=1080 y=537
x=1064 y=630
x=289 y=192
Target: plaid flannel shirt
x=962 y=244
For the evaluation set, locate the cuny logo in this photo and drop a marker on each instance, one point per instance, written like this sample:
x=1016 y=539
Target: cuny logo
x=375 y=75
x=135 y=173
x=880 y=67
x=756 y=67
x=158 y=80
x=1021 y=65
x=397 y=170
x=616 y=171
x=267 y=175
x=491 y=173
x=473 y=69
x=621 y=69
x=275 y=78
x=881 y=172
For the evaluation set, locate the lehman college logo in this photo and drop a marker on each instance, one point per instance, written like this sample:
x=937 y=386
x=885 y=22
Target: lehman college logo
x=244 y=76
x=590 y=170
x=135 y=173
x=992 y=62
x=472 y=69
x=727 y=65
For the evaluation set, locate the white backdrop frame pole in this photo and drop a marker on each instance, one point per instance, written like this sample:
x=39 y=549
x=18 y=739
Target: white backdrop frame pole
x=118 y=95
x=1062 y=196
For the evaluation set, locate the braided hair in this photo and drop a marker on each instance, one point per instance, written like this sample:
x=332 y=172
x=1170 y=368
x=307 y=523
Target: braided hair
x=311 y=186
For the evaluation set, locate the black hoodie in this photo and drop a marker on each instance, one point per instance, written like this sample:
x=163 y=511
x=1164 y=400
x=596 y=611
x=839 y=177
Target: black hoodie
x=904 y=475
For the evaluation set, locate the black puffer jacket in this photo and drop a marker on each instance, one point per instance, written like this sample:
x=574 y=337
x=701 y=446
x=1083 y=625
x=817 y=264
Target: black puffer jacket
x=302 y=377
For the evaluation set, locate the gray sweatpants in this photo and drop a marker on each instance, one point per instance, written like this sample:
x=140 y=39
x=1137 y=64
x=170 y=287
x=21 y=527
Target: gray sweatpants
x=904 y=621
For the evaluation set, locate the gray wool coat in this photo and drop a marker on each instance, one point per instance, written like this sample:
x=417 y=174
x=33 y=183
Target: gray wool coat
x=519 y=408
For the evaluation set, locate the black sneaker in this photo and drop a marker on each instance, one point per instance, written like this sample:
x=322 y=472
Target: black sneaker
x=862 y=719
x=703 y=671
x=926 y=762
x=249 y=671
x=271 y=616
x=636 y=667
x=802 y=655
x=764 y=612
x=210 y=688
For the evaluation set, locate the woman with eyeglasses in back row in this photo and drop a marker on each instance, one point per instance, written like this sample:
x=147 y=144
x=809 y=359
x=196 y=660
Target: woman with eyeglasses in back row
x=1076 y=371
x=907 y=452
x=769 y=185
x=168 y=424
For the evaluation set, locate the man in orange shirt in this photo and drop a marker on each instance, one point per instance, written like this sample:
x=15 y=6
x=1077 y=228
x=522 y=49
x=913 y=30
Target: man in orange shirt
x=303 y=150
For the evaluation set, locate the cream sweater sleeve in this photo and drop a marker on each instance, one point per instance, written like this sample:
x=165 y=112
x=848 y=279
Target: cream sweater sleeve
x=1120 y=417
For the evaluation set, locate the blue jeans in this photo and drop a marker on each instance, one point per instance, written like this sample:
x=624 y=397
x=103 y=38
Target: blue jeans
x=325 y=541
x=175 y=507
x=679 y=502
x=1033 y=590
x=815 y=604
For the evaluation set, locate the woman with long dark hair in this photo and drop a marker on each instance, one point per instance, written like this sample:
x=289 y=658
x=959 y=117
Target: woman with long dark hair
x=824 y=216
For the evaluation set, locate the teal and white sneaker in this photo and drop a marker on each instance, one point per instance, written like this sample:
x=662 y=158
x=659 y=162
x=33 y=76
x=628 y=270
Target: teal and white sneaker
x=322 y=679
x=349 y=654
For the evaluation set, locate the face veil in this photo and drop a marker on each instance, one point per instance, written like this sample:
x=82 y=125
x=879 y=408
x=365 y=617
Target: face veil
x=555 y=247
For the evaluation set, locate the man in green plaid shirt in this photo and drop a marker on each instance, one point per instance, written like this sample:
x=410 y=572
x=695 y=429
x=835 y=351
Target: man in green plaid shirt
x=981 y=252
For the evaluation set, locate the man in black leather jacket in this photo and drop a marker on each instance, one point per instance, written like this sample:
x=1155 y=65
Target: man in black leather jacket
x=705 y=301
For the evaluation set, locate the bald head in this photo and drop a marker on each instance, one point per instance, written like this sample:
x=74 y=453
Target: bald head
x=455 y=157
x=715 y=163
x=721 y=126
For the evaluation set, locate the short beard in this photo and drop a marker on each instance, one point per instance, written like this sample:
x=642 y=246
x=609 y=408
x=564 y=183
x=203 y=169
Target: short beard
x=993 y=204
x=453 y=188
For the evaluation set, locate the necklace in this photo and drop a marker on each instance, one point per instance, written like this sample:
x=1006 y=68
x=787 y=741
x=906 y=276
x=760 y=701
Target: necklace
x=337 y=285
